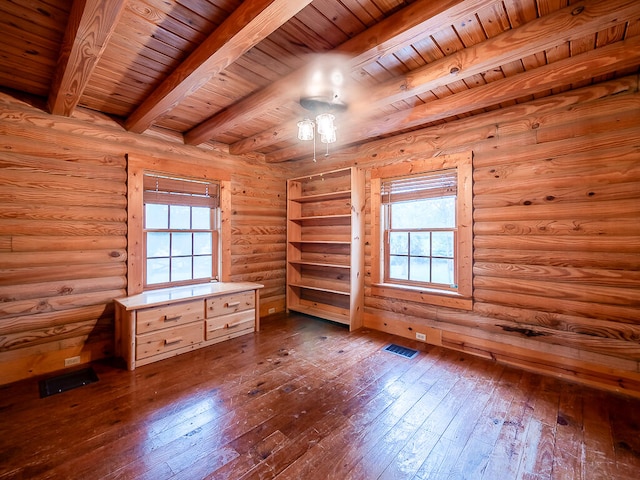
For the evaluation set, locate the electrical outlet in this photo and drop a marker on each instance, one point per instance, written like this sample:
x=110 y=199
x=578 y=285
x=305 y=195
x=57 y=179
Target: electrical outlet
x=421 y=336
x=272 y=310
x=71 y=361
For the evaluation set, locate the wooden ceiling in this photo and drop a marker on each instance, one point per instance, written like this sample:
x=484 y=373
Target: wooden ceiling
x=230 y=72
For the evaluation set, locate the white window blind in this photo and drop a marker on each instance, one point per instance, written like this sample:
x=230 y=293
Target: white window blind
x=178 y=191
x=440 y=183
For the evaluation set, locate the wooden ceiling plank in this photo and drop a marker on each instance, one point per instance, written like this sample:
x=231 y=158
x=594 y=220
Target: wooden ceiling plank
x=494 y=20
x=143 y=31
x=215 y=13
x=520 y=11
x=38 y=17
x=273 y=47
x=91 y=24
x=341 y=16
x=471 y=32
x=361 y=12
x=184 y=21
x=429 y=50
x=410 y=58
x=507 y=47
x=546 y=7
x=40 y=57
x=164 y=29
x=412 y=23
x=600 y=61
x=29 y=38
x=243 y=29
x=377 y=10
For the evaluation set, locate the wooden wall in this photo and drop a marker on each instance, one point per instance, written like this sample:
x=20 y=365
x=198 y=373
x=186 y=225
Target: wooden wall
x=63 y=246
x=556 y=235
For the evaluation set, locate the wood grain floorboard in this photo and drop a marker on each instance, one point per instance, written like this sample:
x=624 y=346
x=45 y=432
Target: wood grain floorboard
x=306 y=399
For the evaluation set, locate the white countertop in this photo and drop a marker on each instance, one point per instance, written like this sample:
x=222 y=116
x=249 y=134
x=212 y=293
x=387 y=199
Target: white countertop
x=161 y=296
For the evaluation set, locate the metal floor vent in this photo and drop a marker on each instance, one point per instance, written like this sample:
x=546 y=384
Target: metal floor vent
x=67 y=381
x=402 y=351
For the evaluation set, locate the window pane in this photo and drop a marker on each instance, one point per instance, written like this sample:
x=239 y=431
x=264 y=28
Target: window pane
x=443 y=271
x=398 y=267
x=202 y=266
x=419 y=271
x=180 y=269
x=200 y=218
x=180 y=244
x=180 y=217
x=202 y=243
x=427 y=213
x=157 y=244
x=399 y=243
x=156 y=216
x=420 y=243
x=443 y=244
x=157 y=270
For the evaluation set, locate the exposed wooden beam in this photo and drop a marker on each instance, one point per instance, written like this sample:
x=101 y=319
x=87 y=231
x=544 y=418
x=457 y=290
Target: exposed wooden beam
x=620 y=55
x=405 y=27
x=91 y=24
x=571 y=23
x=249 y=24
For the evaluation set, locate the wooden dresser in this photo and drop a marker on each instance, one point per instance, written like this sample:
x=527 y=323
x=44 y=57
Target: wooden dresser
x=159 y=324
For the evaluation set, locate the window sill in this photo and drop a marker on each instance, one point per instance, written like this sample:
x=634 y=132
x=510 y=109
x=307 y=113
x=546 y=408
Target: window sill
x=441 y=298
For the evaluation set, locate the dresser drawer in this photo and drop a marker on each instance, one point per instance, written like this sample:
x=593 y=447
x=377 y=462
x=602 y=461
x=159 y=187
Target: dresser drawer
x=157 y=318
x=229 y=324
x=169 y=339
x=231 y=303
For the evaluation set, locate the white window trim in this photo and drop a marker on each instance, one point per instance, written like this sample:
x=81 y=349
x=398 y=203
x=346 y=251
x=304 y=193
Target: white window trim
x=462 y=298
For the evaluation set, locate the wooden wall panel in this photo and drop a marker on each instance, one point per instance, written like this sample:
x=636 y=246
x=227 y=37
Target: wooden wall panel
x=556 y=235
x=556 y=241
x=63 y=230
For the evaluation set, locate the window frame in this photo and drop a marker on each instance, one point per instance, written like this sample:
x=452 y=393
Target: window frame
x=137 y=165
x=460 y=297
x=214 y=219
x=437 y=184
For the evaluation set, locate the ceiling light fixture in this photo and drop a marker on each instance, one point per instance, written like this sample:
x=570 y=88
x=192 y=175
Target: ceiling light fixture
x=322 y=107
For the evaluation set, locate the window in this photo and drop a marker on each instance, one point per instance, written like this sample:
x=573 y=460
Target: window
x=419 y=214
x=422 y=232
x=181 y=230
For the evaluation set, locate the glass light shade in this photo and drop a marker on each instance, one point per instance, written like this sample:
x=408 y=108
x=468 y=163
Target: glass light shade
x=330 y=137
x=325 y=124
x=305 y=129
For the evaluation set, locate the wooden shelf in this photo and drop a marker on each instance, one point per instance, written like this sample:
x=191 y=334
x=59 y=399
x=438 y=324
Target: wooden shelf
x=323 y=196
x=323 y=313
x=319 y=288
x=328 y=242
x=325 y=245
x=319 y=264
x=324 y=220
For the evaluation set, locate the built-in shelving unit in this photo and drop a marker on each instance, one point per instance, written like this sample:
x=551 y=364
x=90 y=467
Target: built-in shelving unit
x=325 y=245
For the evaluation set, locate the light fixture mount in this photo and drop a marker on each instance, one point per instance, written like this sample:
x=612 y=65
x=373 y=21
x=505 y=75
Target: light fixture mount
x=323 y=104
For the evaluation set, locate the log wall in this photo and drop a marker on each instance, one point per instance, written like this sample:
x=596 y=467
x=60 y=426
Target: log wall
x=556 y=235
x=63 y=227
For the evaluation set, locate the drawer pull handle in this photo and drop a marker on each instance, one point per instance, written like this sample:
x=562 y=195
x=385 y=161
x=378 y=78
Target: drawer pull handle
x=234 y=304
x=233 y=325
x=172 y=319
x=170 y=341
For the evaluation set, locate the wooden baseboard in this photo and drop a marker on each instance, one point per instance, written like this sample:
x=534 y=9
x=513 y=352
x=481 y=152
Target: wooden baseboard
x=565 y=366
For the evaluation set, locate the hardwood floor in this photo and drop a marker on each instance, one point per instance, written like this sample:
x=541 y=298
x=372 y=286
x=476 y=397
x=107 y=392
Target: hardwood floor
x=304 y=399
